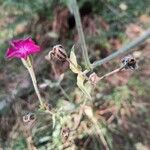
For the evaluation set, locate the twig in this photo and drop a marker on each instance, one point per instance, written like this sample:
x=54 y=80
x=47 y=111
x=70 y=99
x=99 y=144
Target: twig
x=75 y=10
x=111 y=73
x=125 y=49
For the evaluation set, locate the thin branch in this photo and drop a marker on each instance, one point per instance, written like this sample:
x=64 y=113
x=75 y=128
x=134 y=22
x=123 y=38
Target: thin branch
x=125 y=49
x=75 y=10
x=111 y=73
x=94 y=79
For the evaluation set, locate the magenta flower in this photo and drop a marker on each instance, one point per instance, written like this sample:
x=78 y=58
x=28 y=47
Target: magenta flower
x=22 y=48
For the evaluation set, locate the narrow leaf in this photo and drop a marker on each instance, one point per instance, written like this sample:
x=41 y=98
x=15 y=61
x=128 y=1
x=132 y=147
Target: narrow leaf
x=73 y=62
x=80 y=83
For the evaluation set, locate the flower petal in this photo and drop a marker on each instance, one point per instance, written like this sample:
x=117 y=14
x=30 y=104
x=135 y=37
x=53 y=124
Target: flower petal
x=22 y=48
x=10 y=51
x=17 y=54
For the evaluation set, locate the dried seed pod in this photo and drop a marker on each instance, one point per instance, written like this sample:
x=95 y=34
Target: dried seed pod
x=65 y=133
x=32 y=116
x=129 y=62
x=59 y=60
x=29 y=120
x=59 y=53
x=25 y=118
x=28 y=117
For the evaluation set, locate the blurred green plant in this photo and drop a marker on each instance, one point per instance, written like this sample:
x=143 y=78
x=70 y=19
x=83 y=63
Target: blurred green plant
x=119 y=95
x=19 y=143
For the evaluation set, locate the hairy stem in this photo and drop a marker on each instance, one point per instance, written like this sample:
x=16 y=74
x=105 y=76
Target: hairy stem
x=75 y=10
x=28 y=65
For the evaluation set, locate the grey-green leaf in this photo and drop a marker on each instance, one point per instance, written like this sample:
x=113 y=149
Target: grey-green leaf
x=73 y=62
x=80 y=83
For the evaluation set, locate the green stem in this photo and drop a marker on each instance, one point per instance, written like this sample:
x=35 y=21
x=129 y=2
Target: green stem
x=75 y=10
x=28 y=65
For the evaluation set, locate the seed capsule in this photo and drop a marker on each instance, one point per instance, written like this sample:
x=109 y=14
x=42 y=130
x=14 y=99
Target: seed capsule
x=65 y=133
x=129 y=62
x=25 y=118
x=59 y=53
x=58 y=59
x=28 y=117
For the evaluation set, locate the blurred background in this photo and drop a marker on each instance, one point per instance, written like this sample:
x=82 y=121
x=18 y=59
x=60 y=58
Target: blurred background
x=120 y=103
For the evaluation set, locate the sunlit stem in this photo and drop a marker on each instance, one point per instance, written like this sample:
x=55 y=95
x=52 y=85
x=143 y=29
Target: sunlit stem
x=27 y=63
x=74 y=7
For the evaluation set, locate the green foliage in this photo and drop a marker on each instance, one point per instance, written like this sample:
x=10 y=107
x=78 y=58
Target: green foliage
x=27 y=6
x=116 y=17
x=78 y=70
x=120 y=94
x=66 y=106
x=2 y=50
x=142 y=89
x=21 y=12
x=82 y=86
x=61 y=119
x=73 y=62
x=20 y=144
